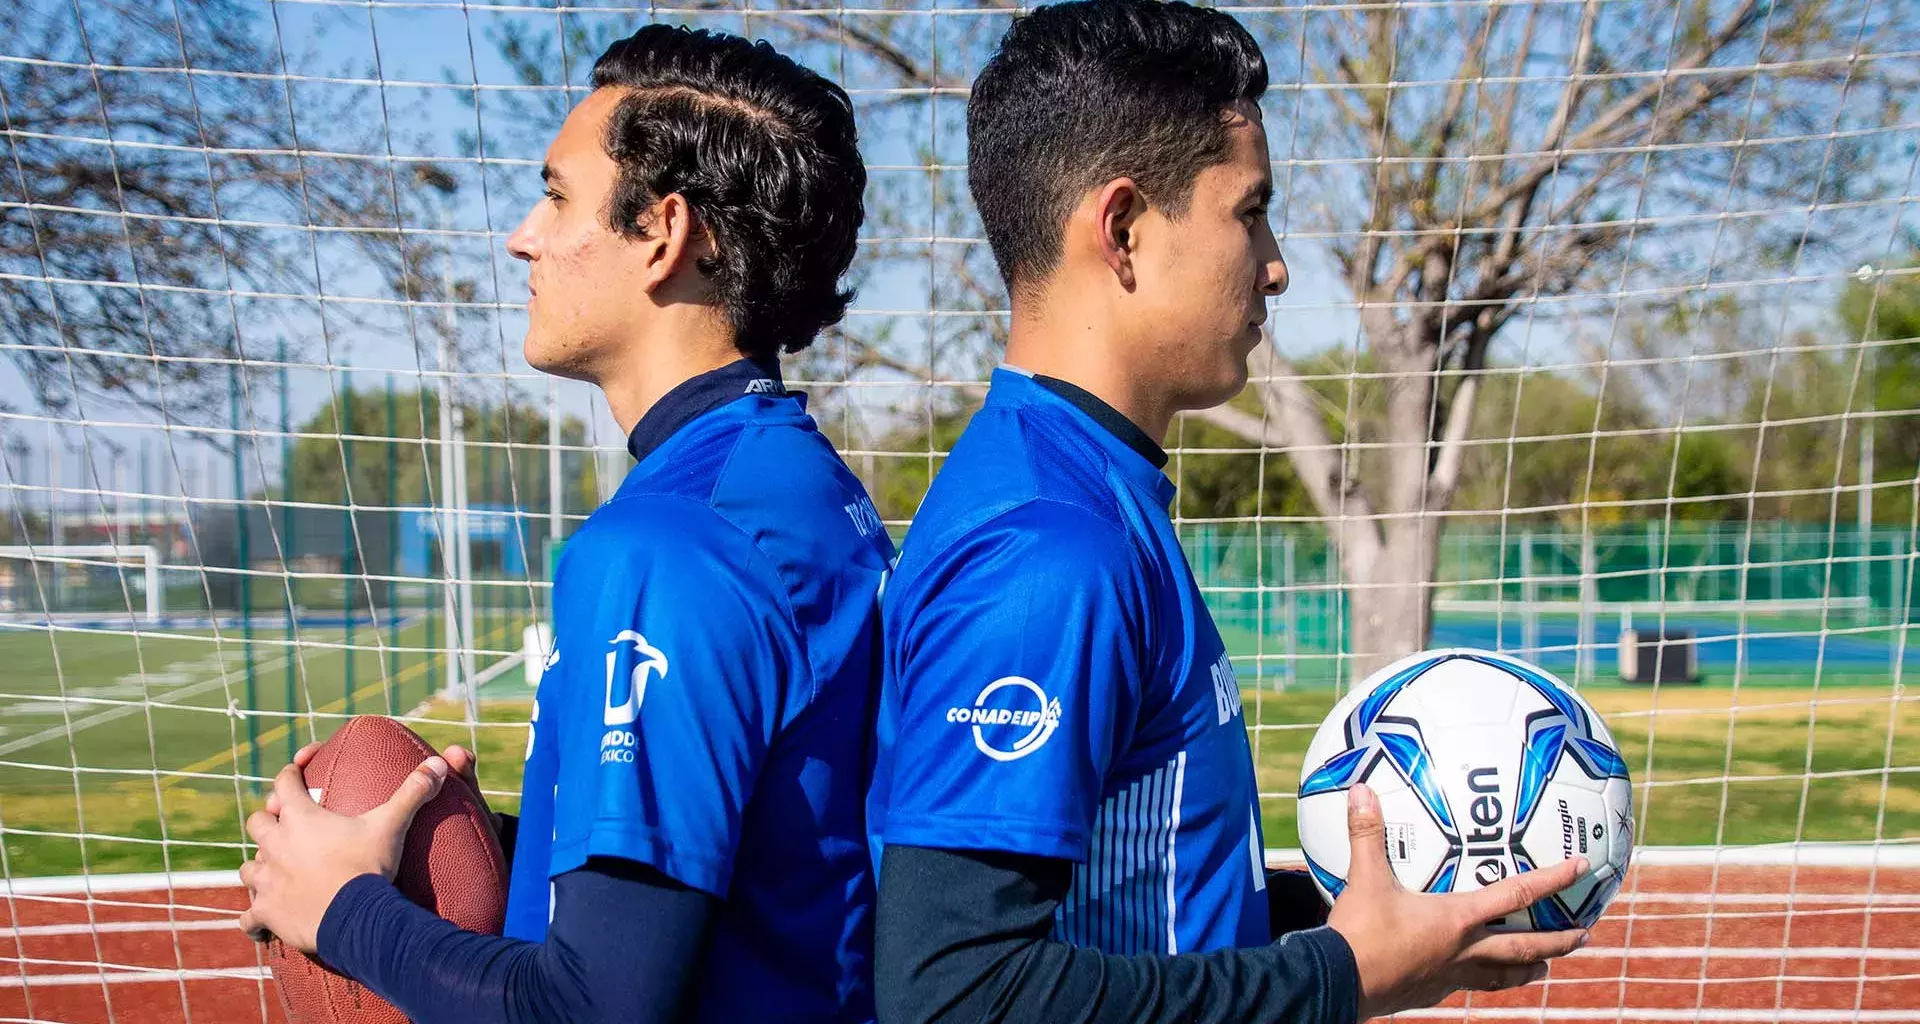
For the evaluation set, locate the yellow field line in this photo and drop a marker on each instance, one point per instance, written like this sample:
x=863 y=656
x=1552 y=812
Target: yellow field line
x=243 y=747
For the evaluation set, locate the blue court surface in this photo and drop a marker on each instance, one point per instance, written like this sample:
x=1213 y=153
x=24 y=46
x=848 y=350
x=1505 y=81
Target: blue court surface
x=1769 y=645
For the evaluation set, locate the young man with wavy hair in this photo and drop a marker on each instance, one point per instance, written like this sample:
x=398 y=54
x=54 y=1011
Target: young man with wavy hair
x=690 y=841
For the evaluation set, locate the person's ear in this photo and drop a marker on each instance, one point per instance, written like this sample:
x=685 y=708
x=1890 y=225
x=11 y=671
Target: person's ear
x=1117 y=212
x=671 y=239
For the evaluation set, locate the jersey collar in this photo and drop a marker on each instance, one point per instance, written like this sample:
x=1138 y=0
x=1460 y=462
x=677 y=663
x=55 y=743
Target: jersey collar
x=698 y=395
x=1134 y=453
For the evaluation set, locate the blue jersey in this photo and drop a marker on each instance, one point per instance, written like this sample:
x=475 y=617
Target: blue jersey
x=709 y=706
x=1055 y=686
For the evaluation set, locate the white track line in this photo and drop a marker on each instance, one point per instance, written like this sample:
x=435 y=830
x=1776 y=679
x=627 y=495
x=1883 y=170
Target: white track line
x=136 y=977
x=1746 y=898
x=119 y=927
x=1783 y=855
x=1751 y=953
x=1704 y=1015
x=1562 y=983
x=158 y=881
x=1886 y=914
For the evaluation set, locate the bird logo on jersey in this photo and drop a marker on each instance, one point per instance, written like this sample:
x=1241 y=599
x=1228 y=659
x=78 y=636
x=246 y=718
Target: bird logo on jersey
x=626 y=690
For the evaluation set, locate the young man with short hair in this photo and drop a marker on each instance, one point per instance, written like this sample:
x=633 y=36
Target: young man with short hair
x=690 y=845
x=1064 y=812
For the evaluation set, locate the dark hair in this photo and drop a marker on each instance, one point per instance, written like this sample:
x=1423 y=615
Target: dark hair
x=765 y=153
x=1081 y=93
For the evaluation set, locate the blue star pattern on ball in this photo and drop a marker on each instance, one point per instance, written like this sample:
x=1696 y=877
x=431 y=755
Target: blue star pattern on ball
x=1558 y=742
x=1373 y=737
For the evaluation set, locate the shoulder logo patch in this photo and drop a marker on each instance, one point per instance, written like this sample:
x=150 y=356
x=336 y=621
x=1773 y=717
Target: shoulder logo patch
x=1012 y=717
x=625 y=691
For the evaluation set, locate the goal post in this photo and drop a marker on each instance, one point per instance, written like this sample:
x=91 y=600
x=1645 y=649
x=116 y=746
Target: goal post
x=19 y=564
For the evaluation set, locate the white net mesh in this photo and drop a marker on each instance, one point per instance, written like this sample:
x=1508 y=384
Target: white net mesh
x=1601 y=348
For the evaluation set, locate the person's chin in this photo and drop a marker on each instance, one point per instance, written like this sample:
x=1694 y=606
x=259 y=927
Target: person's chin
x=1235 y=384
x=1222 y=388
x=1236 y=369
x=542 y=356
x=534 y=352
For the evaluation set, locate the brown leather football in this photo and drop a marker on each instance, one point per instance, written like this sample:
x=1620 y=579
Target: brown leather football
x=451 y=865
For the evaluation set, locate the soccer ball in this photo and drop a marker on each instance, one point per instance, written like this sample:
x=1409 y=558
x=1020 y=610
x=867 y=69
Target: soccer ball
x=1485 y=766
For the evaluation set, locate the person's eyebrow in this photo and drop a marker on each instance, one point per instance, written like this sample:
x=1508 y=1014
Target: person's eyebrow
x=1262 y=191
x=551 y=176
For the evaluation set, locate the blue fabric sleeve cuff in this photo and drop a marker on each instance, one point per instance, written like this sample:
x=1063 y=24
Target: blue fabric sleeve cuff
x=646 y=846
x=341 y=926
x=1339 y=976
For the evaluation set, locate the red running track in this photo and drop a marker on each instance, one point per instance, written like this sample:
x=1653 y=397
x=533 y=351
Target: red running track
x=1733 y=944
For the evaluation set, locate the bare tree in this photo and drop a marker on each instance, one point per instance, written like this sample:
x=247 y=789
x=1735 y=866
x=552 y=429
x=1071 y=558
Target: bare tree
x=164 y=193
x=1535 y=157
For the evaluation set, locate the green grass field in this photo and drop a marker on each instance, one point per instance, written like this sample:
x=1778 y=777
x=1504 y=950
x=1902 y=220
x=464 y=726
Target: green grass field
x=118 y=752
x=156 y=777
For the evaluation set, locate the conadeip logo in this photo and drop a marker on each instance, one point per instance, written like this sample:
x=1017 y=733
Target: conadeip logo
x=1011 y=718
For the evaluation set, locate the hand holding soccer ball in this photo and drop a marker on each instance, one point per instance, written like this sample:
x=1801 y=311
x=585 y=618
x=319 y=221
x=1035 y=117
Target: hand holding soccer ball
x=1485 y=767
x=1414 y=949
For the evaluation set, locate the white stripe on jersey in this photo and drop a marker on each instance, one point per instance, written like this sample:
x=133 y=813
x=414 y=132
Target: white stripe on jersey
x=1179 y=787
x=1122 y=897
x=1255 y=854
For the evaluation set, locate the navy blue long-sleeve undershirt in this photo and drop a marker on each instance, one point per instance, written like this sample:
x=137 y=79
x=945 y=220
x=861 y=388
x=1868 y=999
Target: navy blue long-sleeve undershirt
x=964 y=936
x=621 y=947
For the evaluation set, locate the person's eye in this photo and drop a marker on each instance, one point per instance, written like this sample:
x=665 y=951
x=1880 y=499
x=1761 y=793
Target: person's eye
x=555 y=196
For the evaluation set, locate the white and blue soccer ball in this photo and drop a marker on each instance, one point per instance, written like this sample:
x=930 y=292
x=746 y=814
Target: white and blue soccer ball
x=1486 y=766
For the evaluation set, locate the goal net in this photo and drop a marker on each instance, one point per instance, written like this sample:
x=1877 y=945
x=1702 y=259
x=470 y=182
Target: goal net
x=1602 y=348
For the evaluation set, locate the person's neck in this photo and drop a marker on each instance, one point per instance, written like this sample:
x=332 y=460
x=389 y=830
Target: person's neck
x=648 y=371
x=1053 y=341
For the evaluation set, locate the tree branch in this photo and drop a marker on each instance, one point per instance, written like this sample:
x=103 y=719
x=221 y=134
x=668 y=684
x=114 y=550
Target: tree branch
x=1364 y=275
x=1507 y=241
x=864 y=39
x=1501 y=139
x=1610 y=119
x=1451 y=455
x=1292 y=424
x=1472 y=64
x=1576 y=80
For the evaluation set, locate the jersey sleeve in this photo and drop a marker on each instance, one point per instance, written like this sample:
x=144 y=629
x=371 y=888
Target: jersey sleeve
x=1017 y=658
x=677 y=661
